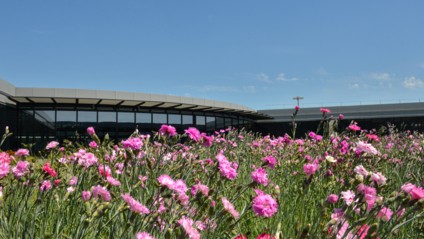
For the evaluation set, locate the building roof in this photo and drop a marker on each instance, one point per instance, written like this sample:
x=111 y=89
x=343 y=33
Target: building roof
x=119 y=98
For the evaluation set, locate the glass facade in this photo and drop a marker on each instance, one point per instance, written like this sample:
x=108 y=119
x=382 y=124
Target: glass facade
x=38 y=124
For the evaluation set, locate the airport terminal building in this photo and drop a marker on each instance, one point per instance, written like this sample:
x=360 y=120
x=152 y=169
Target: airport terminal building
x=39 y=115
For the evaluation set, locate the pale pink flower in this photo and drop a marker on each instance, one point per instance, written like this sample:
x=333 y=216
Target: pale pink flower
x=264 y=205
x=22 y=152
x=4 y=158
x=132 y=143
x=361 y=170
x=183 y=199
x=113 y=181
x=348 y=197
x=200 y=187
x=385 y=213
x=229 y=207
x=52 y=145
x=407 y=187
x=167 y=130
x=193 y=133
x=135 y=206
x=46 y=185
x=90 y=131
x=259 y=176
x=366 y=148
x=187 y=224
x=378 y=178
x=87 y=159
x=179 y=186
x=144 y=235
x=101 y=192
x=20 y=169
x=166 y=180
x=70 y=189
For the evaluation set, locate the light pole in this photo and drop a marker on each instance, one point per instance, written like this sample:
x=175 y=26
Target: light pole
x=297 y=98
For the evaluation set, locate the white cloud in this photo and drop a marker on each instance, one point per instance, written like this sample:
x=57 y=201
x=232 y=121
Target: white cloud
x=354 y=86
x=282 y=77
x=263 y=77
x=380 y=76
x=413 y=83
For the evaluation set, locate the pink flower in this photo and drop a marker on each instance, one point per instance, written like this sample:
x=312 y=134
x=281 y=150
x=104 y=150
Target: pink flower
x=193 y=133
x=259 y=176
x=297 y=108
x=86 y=195
x=200 y=187
x=187 y=225
x=227 y=169
x=132 y=143
x=265 y=236
x=332 y=198
x=113 y=181
x=366 y=148
x=229 y=207
x=270 y=160
x=135 y=206
x=167 y=130
x=93 y=144
x=52 y=145
x=207 y=140
x=4 y=157
x=87 y=160
x=104 y=170
x=90 y=131
x=101 y=192
x=385 y=213
x=49 y=170
x=417 y=193
x=341 y=117
x=354 y=127
x=241 y=237
x=378 y=178
x=348 y=197
x=166 y=180
x=179 y=186
x=73 y=181
x=264 y=205
x=22 y=152
x=407 y=187
x=46 y=185
x=310 y=168
x=20 y=169
x=373 y=137
x=4 y=169
x=325 y=110
x=361 y=170
x=144 y=235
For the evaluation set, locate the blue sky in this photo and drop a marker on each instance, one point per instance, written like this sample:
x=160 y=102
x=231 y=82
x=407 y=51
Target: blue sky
x=256 y=53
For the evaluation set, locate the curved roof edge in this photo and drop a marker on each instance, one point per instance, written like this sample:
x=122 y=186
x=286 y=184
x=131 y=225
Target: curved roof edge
x=115 y=98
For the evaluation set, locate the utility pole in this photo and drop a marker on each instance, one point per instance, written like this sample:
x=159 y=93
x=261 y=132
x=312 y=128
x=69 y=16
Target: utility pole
x=297 y=98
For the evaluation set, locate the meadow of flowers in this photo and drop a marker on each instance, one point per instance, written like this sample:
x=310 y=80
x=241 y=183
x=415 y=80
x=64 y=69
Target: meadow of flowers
x=231 y=184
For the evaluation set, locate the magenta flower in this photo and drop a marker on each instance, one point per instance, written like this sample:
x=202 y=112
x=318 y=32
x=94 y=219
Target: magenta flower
x=265 y=236
x=104 y=170
x=407 y=187
x=227 y=169
x=135 y=206
x=193 y=133
x=264 y=205
x=144 y=235
x=354 y=127
x=49 y=170
x=207 y=140
x=132 y=143
x=200 y=188
x=90 y=131
x=229 y=207
x=73 y=181
x=166 y=180
x=310 y=168
x=341 y=117
x=93 y=144
x=325 y=110
x=179 y=186
x=101 y=192
x=167 y=130
x=46 y=185
x=259 y=176
x=86 y=195
x=113 y=181
x=385 y=213
x=297 y=108
x=332 y=198
x=270 y=160
x=361 y=170
x=4 y=157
